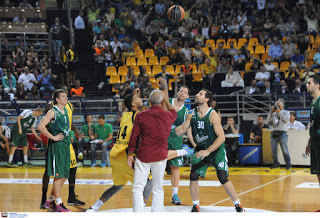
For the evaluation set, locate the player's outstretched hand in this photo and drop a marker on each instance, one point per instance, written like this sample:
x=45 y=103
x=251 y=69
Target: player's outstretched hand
x=137 y=92
x=58 y=137
x=189 y=115
x=163 y=84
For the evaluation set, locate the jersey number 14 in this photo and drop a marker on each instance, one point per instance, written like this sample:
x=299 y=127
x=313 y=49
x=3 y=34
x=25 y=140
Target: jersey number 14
x=123 y=134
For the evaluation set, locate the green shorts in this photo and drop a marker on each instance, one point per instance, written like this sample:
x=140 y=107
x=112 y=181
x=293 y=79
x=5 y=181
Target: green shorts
x=315 y=156
x=19 y=140
x=58 y=162
x=218 y=159
x=175 y=143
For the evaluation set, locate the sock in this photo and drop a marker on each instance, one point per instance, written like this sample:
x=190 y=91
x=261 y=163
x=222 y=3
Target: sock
x=196 y=202
x=59 y=201
x=97 y=205
x=237 y=202
x=44 y=195
x=71 y=192
x=51 y=198
x=25 y=157
x=181 y=152
x=10 y=158
x=175 y=191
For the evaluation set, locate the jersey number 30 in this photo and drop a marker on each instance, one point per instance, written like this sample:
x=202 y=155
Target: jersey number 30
x=123 y=134
x=200 y=124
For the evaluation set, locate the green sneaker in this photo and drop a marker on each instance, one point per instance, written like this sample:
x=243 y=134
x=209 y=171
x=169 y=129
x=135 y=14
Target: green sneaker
x=27 y=164
x=12 y=165
x=176 y=200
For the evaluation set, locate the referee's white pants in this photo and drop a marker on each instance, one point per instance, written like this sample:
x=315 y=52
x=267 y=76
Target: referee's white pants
x=141 y=173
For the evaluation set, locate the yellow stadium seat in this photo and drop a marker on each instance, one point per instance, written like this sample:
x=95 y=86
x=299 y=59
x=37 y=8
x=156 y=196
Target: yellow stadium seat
x=149 y=53
x=317 y=40
x=177 y=69
x=221 y=40
x=156 y=69
x=253 y=41
x=138 y=53
x=170 y=69
x=136 y=70
x=242 y=73
x=123 y=70
x=142 y=61
x=264 y=57
x=205 y=50
x=153 y=61
x=275 y=63
x=247 y=67
x=194 y=68
x=164 y=60
x=197 y=77
x=284 y=39
x=311 y=39
x=123 y=79
x=170 y=84
x=148 y=69
x=232 y=40
x=284 y=65
x=260 y=49
x=115 y=90
x=310 y=55
x=255 y=56
x=114 y=79
x=210 y=43
x=241 y=41
x=135 y=45
x=111 y=71
x=131 y=62
x=250 y=49
x=309 y=63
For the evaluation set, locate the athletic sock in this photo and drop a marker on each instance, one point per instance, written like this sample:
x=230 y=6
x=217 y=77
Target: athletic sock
x=181 y=152
x=97 y=205
x=196 y=202
x=44 y=195
x=25 y=157
x=237 y=202
x=10 y=158
x=175 y=190
x=51 y=198
x=59 y=201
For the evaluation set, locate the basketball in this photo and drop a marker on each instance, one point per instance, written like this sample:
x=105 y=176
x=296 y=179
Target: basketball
x=176 y=13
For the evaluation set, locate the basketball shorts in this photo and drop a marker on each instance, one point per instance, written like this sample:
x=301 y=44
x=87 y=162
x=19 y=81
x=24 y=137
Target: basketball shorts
x=73 y=159
x=315 y=156
x=121 y=172
x=19 y=140
x=58 y=163
x=218 y=159
x=175 y=143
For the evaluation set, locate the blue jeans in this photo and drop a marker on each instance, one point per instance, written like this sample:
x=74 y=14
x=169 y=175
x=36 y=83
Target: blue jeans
x=56 y=47
x=46 y=88
x=104 y=155
x=282 y=139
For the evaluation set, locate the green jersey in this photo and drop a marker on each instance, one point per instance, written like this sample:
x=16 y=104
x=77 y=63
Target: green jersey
x=103 y=131
x=181 y=116
x=60 y=124
x=27 y=120
x=85 y=131
x=314 y=118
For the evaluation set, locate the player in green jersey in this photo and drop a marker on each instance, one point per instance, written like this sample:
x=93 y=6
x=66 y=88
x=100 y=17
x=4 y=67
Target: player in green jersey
x=27 y=119
x=208 y=139
x=313 y=146
x=58 y=163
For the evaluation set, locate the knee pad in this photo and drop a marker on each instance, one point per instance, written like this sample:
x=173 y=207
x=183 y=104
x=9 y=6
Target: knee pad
x=222 y=176
x=194 y=176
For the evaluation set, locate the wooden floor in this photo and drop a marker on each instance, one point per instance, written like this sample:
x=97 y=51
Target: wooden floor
x=257 y=187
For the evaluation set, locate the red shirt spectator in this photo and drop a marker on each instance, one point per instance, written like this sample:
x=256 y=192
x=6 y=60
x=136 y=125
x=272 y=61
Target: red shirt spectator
x=153 y=127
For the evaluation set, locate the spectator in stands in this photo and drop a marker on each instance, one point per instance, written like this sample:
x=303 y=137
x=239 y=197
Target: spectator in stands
x=312 y=21
x=140 y=21
x=87 y=134
x=45 y=81
x=298 y=89
x=109 y=15
x=36 y=18
x=268 y=91
x=109 y=56
x=103 y=135
x=197 y=55
x=77 y=91
x=269 y=65
x=115 y=44
x=17 y=53
x=256 y=130
x=223 y=67
x=153 y=38
x=219 y=51
x=56 y=31
x=288 y=50
x=247 y=29
x=28 y=81
x=262 y=76
x=9 y=83
x=250 y=90
x=316 y=59
x=278 y=118
x=297 y=59
x=147 y=91
x=275 y=50
x=306 y=74
x=186 y=52
x=21 y=94
x=231 y=143
x=233 y=79
x=130 y=77
x=175 y=56
x=232 y=50
x=159 y=48
x=294 y=124
x=186 y=73
x=32 y=55
x=291 y=77
x=239 y=61
x=118 y=57
x=63 y=64
x=273 y=33
x=188 y=36
x=125 y=90
x=72 y=63
x=303 y=44
x=282 y=90
x=164 y=74
x=92 y=13
x=276 y=76
x=143 y=78
x=20 y=19
x=5 y=137
x=99 y=29
x=208 y=71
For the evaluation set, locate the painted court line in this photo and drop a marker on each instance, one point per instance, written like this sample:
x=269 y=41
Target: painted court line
x=242 y=193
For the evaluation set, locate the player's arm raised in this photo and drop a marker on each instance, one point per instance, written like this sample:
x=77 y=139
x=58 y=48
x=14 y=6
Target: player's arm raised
x=42 y=127
x=183 y=128
x=215 y=120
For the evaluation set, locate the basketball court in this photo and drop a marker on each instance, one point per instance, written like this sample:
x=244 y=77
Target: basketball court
x=260 y=189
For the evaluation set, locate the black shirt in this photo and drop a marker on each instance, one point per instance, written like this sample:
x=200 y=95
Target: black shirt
x=257 y=131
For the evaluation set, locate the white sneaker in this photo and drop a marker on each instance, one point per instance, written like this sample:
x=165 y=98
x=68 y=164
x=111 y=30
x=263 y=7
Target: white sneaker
x=79 y=164
x=80 y=156
x=91 y=210
x=100 y=85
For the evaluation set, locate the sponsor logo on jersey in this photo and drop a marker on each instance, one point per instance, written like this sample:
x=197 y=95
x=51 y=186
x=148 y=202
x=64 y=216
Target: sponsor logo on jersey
x=202 y=138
